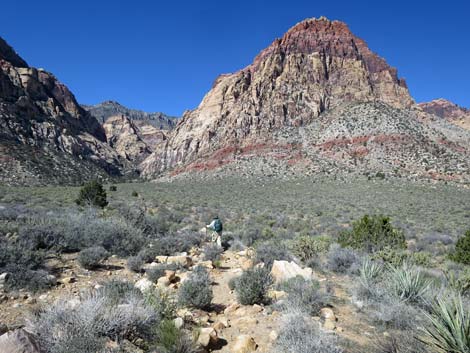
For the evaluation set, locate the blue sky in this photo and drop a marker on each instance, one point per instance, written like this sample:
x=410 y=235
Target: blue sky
x=165 y=55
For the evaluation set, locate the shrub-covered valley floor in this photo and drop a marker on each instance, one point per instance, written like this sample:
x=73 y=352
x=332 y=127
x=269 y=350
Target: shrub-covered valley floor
x=91 y=279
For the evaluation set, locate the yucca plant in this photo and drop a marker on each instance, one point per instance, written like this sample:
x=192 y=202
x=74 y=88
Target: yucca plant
x=449 y=327
x=409 y=284
x=370 y=270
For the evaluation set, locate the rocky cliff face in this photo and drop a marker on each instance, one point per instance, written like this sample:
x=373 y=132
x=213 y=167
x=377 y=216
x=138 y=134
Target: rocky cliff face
x=316 y=66
x=449 y=111
x=105 y=110
x=133 y=140
x=45 y=134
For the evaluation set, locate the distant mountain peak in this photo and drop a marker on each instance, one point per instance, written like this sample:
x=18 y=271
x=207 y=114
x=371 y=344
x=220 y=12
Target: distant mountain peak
x=315 y=66
x=109 y=108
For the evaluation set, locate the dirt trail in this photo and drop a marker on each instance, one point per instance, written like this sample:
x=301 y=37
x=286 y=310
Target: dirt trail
x=256 y=321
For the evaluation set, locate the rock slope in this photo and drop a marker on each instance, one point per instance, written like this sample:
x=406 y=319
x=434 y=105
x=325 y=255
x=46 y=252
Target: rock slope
x=132 y=139
x=46 y=136
x=317 y=100
x=107 y=109
x=450 y=111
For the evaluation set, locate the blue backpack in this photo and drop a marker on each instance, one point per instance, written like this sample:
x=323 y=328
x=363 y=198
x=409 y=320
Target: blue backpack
x=218 y=225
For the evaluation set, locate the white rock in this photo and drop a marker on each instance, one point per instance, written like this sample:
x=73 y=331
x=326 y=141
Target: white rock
x=18 y=341
x=143 y=284
x=207 y=336
x=284 y=270
x=179 y=322
x=244 y=344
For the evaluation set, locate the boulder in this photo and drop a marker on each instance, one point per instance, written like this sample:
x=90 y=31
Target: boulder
x=179 y=322
x=327 y=314
x=207 y=264
x=277 y=294
x=182 y=260
x=163 y=282
x=244 y=344
x=18 y=341
x=207 y=336
x=246 y=264
x=171 y=275
x=143 y=284
x=284 y=270
x=231 y=308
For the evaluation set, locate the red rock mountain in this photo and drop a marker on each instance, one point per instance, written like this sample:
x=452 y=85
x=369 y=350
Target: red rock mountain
x=316 y=101
x=316 y=66
x=448 y=110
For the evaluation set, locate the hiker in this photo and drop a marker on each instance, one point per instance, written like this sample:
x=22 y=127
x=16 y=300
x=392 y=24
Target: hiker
x=216 y=227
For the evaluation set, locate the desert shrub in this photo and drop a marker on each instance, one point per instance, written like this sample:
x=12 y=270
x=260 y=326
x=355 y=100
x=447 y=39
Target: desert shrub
x=113 y=188
x=396 y=257
x=155 y=272
x=91 y=258
x=175 y=243
x=340 y=259
x=232 y=283
x=268 y=252
x=393 y=313
x=458 y=281
x=135 y=193
x=252 y=286
x=304 y=295
x=135 y=263
x=421 y=258
x=368 y=286
x=70 y=327
x=306 y=247
x=372 y=233
x=42 y=236
x=170 y=339
x=409 y=284
x=25 y=268
x=300 y=335
x=196 y=291
x=92 y=194
x=162 y=302
x=399 y=342
x=118 y=291
x=25 y=278
x=461 y=253
x=212 y=252
x=448 y=328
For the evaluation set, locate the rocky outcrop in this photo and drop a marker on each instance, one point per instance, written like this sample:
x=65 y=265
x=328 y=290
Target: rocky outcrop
x=317 y=65
x=447 y=110
x=127 y=139
x=107 y=109
x=45 y=134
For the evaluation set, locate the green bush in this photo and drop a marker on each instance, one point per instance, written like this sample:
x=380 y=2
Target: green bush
x=306 y=247
x=462 y=249
x=92 y=194
x=373 y=233
x=91 y=258
x=113 y=188
x=196 y=291
x=252 y=286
